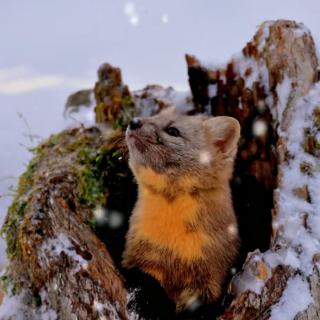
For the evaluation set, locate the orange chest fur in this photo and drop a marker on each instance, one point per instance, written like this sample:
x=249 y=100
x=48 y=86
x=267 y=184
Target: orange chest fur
x=164 y=223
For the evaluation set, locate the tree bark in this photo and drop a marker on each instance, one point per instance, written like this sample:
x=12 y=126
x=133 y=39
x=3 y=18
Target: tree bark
x=56 y=259
x=280 y=61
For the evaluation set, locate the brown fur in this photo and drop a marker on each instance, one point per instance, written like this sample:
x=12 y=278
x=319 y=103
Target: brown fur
x=183 y=230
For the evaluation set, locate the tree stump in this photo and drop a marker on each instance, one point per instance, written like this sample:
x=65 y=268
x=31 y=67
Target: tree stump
x=270 y=88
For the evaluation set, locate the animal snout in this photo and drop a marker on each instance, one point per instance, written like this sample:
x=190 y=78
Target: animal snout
x=135 y=123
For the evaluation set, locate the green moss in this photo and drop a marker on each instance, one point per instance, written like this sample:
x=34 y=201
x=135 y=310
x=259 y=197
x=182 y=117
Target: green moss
x=16 y=211
x=65 y=142
x=126 y=113
x=93 y=223
x=8 y=284
x=5 y=281
x=52 y=141
x=94 y=174
x=90 y=186
x=99 y=168
x=10 y=229
x=25 y=180
x=55 y=138
x=100 y=117
x=82 y=142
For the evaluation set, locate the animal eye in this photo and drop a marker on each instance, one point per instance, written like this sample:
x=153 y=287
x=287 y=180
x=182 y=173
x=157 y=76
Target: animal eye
x=172 y=131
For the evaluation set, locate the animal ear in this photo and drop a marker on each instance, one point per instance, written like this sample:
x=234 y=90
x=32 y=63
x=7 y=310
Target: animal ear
x=225 y=132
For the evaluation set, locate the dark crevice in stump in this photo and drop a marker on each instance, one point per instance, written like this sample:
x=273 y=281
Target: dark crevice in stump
x=255 y=171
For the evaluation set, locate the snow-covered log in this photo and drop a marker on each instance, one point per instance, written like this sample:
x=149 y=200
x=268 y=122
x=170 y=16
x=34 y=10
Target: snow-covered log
x=270 y=87
x=59 y=268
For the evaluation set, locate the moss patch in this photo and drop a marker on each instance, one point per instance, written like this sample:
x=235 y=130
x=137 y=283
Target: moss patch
x=95 y=167
x=90 y=186
x=8 y=284
x=11 y=227
x=98 y=170
x=17 y=209
x=126 y=113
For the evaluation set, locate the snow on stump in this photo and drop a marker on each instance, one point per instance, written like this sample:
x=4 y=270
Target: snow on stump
x=270 y=88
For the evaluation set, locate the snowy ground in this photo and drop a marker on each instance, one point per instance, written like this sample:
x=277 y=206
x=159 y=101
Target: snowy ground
x=47 y=53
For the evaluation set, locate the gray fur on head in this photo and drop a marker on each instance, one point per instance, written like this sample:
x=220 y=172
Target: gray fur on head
x=199 y=144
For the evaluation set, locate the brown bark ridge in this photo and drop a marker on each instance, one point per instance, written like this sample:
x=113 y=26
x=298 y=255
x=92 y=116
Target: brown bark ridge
x=113 y=99
x=270 y=87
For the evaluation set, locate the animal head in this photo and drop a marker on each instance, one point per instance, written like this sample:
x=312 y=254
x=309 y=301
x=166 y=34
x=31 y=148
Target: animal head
x=178 y=145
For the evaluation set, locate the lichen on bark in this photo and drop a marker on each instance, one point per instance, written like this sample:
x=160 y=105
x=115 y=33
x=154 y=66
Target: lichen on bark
x=54 y=202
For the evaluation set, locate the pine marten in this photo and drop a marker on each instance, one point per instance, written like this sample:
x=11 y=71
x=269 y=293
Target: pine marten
x=183 y=230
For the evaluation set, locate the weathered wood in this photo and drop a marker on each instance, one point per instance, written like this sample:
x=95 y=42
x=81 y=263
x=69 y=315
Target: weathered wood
x=114 y=102
x=56 y=256
x=280 y=60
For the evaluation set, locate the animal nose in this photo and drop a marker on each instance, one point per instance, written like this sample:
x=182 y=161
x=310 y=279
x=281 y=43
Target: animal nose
x=135 y=123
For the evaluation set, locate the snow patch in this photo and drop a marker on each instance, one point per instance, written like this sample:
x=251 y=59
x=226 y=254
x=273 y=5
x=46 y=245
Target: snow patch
x=15 y=307
x=297 y=222
x=295 y=212
x=81 y=114
x=212 y=90
x=132 y=315
x=288 y=257
x=251 y=70
x=54 y=247
x=295 y=298
x=283 y=92
x=147 y=100
x=264 y=36
x=301 y=31
x=84 y=116
x=249 y=279
x=103 y=308
x=248 y=69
